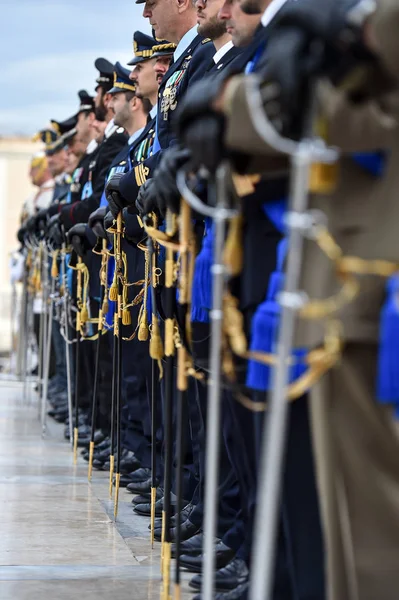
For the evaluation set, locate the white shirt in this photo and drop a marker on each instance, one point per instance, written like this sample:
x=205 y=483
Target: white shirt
x=110 y=129
x=154 y=111
x=222 y=51
x=135 y=135
x=91 y=147
x=185 y=42
x=271 y=11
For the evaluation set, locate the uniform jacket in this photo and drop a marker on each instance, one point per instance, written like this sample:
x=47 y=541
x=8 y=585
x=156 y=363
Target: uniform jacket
x=92 y=189
x=363 y=212
x=188 y=68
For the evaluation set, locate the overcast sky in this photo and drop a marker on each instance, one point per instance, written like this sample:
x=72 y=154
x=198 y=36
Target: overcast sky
x=48 y=49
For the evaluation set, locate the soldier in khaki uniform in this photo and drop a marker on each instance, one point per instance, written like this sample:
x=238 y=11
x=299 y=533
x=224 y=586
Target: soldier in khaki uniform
x=355 y=438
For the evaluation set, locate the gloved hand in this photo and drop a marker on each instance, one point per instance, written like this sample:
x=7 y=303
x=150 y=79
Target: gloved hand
x=116 y=202
x=30 y=225
x=21 y=235
x=41 y=220
x=200 y=128
x=109 y=221
x=147 y=200
x=54 y=235
x=166 y=189
x=134 y=232
x=96 y=222
x=77 y=237
x=306 y=39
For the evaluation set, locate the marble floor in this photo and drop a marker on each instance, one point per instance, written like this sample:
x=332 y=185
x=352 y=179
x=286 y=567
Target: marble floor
x=58 y=539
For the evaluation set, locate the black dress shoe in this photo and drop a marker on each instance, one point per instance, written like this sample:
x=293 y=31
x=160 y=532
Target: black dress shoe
x=140 y=487
x=187 y=531
x=228 y=578
x=239 y=593
x=143 y=498
x=144 y=510
x=141 y=474
x=129 y=465
x=192 y=546
x=224 y=555
x=184 y=515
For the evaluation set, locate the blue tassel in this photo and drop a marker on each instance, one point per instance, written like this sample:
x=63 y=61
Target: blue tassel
x=201 y=301
x=372 y=162
x=265 y=330
x=388 y=358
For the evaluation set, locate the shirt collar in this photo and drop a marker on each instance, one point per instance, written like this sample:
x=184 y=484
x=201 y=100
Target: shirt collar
x=271 y=11
x=91 y=147
x=110 y=129
x=222 y=51
x=153 y=111
x=135 y=135
x=185 y=42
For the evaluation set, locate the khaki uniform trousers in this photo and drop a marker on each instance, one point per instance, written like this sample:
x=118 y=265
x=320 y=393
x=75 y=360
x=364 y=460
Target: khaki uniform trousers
x=357 y=458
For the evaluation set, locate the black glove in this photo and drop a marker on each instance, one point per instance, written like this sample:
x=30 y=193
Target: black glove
x=199 y=127
x=166 y=189
x=116 y=202
x=308 y=38
x=77 y=237
x=30 y=225
x=54 y=235
x=147 y=200
x=41 y=220
x=96 y=222
x=21 y=235
x=134 y=232
x=109 y=221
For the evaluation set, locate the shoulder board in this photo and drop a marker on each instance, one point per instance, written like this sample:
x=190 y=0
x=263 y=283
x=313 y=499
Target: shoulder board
x=206 y=40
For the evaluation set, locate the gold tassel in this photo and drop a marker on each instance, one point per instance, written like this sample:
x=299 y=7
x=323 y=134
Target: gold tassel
x=126 y=317
x=84 y=315
x=233 y=255
x=156 y=346
x=105 y=306
x=54 y=265
x=113 y=290
x=143 y=328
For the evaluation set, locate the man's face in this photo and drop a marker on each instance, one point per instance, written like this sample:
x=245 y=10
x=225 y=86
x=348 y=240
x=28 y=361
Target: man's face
x=72 y=163
x=240 y=25
x=162 y=15
x=84 y=126
x=77 y=147
x=254 y=7
x=144 y=76
x=121 y=109
x=209 y=23
x=100 y=103
x=161 y=66
x=98 y=129
x=57 y=162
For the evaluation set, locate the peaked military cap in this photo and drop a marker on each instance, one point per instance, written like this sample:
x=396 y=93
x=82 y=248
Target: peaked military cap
x=48 y=135
x=65 y=129
x=86 y=102
x=142 y=47
x=106 y=73
x=163 y=48
x=122 y=83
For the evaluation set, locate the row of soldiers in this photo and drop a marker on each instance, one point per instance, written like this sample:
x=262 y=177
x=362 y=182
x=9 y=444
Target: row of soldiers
x=169 y=218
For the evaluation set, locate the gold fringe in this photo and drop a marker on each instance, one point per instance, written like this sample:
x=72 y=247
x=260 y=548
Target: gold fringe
x=54 y=265
x=126 y=317
x=233 y=252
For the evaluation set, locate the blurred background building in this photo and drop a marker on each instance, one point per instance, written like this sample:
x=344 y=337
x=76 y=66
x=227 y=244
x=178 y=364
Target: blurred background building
x=15 y=187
